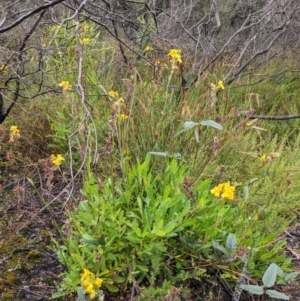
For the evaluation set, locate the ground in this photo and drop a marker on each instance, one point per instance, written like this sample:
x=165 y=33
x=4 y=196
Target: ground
x=31 y=217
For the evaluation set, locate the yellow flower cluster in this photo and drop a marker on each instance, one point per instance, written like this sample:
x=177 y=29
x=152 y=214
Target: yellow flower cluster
x=175 y=54
x=214 y=88
x=224 y=190
x=57 y=160
x=149 y=49
x=123 y=117
x=113 y=94
x=90 y=283
x=14 y=133
x=270 y=157
x=83 y=41
x=65 y=85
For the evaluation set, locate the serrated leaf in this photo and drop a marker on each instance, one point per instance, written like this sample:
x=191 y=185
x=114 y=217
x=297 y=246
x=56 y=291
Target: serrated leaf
x=270 y=275
x=231 y=242
x=253 y=289
x=212 y=124
x=277 y=295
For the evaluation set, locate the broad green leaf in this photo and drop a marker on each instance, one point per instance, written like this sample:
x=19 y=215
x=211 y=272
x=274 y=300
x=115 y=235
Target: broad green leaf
x=280 y=272
x=253 y=289
x=290 y=276
x=186 y=126
x=212 y=124
x=218 y=247
x=111 y=288
x=231 y=242
x=270 y=275
x=277 y=295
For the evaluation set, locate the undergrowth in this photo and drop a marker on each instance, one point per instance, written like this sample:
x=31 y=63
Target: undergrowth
x=150 y=220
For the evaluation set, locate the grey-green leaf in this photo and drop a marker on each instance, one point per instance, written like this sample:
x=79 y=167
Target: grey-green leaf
x=253 y=289
x=231 y=242
x=212 y=124
x=277 y=295
x=270 y=275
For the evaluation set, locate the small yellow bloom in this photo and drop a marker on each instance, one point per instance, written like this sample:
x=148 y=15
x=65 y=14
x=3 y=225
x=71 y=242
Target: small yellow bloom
x=98 y=282
x=91 y=291
x=113 y=94
x=224 y=190
x=14 y=133
x=149 y=49
x=85 y=26
x=84 y=41
x=263 y=158
x=57 y=160
x=123 y=117
x=175 y=54
x=221 y=84
x=65 y=85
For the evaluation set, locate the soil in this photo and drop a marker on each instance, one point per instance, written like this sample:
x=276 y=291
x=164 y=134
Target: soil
x=31 y=215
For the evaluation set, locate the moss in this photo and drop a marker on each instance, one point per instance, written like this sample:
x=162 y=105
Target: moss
x=34 y=254
x=7 y=295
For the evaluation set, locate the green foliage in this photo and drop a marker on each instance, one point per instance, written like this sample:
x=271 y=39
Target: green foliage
x=268 y=280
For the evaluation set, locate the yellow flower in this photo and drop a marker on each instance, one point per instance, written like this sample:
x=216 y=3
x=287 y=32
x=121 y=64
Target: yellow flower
x=113 y=94
x=263 y=158
x=90 y=283
x=84 y=41
x=14 y=133
x=65 y=85
x=224 y=190
x=91 y=291
x=149 y=48
x=175 y=54
x=57 y=160
x=221 y=84
x=85 y=26
x=98 y=282
x=123 y=116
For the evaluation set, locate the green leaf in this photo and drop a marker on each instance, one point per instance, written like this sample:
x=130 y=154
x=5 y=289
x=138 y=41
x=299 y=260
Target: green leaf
x=218 y=247
x=290 y=276
x=277 y=295
x=231 y=242
x=186 y=126
x=253 y=289
x=112 y=288
x=162 y=154
x=197 y=135
x=80 y=295
x=280 y=272
x=270 y=275
x=253 y=180
x=212 y=124
x=246 y=192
